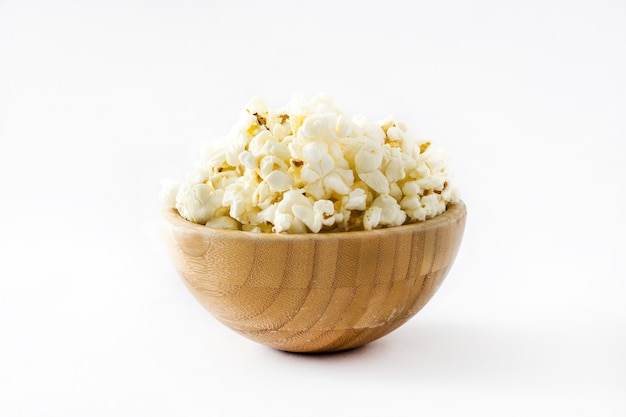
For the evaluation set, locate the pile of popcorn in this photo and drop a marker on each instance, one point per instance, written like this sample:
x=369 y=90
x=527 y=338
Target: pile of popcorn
x=308 y=167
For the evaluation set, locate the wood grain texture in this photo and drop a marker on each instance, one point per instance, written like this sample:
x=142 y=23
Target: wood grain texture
x=315 y=292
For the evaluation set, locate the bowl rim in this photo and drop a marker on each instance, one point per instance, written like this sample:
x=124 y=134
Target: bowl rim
x=454 y=212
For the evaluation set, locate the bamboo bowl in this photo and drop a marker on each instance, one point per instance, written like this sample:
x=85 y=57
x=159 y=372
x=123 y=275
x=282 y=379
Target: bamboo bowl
x=315 y=292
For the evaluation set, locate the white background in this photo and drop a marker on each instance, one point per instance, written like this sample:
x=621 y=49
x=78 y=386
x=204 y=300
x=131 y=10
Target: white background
x=101 y=100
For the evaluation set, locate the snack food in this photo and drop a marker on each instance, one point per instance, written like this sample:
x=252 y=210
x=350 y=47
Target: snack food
x=307 y=167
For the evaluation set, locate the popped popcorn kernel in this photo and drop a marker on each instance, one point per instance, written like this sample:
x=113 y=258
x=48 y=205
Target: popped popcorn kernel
x=169 y=190
x=308 y=167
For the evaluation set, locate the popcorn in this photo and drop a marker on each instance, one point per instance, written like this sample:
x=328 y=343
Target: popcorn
x=376 y=180
x=248 y=160
x=372 y=217
x=307 y=167
x=169 y=191
x=279 y=181
x=368 y=158
x=223 y=222
x=356 y=200
x=391 y=212
x=198 y=202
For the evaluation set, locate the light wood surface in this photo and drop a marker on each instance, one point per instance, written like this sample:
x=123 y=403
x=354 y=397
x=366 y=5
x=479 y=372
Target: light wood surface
x=315 y=292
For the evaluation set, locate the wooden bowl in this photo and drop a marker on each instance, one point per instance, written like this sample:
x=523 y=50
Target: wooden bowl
x=315 y=292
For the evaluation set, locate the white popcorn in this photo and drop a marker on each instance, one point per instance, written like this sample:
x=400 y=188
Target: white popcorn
x=223 y=222
x=376 y=180
x=395 y=134
x=326 y=165
x=278 y=181
x=314 y=151
x=223 y=179
x=248 y=160
x=286 y=206
x=307 y=167
x=372 y=216
x=343 y=126
x=316 y=190
x=238 y=198
x=391 y=214
x=263 y=196
x=435 y=159
x=434 y=182
x=198 y=202
x=309 y=174
x=395 y=191
x=410 y=188
x=279 y=150
x=368 y=158
x=169 y=191
x=320 y=126
x=394 y=171
x=334 y=183
x=240 y=137
x=256 y=105
x=258 y=142
x=325 y=210
x=282 y=222
x=411 y=202
x=269 y=163
x=357 y=200
x=306 y=215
